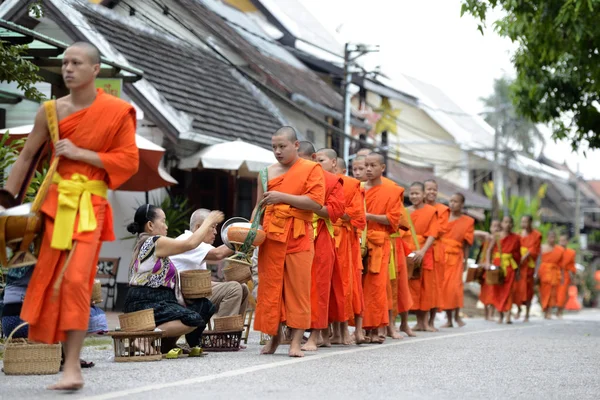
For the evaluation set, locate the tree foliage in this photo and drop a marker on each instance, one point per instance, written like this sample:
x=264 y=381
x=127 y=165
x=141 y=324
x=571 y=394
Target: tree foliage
x=505 y=120
x=557 y=61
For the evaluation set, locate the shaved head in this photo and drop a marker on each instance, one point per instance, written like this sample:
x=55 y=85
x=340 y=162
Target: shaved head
x=306 y=149
x=91 y=51
x=329 y=153
x=198 y=218
x=377 y=156
x=341 y=163
x=364 y=152
x=288 y=132
x=419 y=185
x=359 y=159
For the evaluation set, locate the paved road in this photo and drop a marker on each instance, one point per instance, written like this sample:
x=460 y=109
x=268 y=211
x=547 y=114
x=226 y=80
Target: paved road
x=539 y=360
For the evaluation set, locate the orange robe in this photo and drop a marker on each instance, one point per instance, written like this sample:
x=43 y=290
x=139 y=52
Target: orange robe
x=325 y=269
x=424 y=289
x=485 y=293
x=107 y=127
x=403 y=299
x=439 y=254
x=381 y=200
x=531 y=243
x=285 y=258
x=550 y=276
x=344 y=232
x=568 y=267
x=460 y=230
x=511 y=249
x=358 y=298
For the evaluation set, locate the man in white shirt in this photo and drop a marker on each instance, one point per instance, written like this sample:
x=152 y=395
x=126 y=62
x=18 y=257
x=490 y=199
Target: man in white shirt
x=229 y=298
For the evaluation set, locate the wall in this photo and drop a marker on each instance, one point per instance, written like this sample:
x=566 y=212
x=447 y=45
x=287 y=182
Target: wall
x=303 y=124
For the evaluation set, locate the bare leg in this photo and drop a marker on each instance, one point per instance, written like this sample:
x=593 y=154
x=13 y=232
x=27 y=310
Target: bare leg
x=391 y=328
x=313 y=341
x=326 y=339
x=487 y=312
x=175 y=329
x=548 y=313
x=501 y=319
x=430 y=327
x=295 y=350
x=559 y=313
x=346 y=339
x=508 y=317
x=376 y=337
x=420 y=326
x=458 y=318
x=527 y=309
x=272 y=344
x=336 y=338
x=518 y=316
x=404 y=325
x=358 y=330
x=71 y=378
x=448 y=323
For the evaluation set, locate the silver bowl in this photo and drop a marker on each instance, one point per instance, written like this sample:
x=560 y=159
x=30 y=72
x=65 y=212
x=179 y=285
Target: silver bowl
x=238 y=221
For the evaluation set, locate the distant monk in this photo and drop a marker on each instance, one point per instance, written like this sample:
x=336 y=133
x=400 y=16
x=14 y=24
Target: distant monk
x=443 y=213
x=325 y=269
x=345 y=235
x=506 y=254
x=457 y=240
x=485 y=294
x=383 y=216
x=359 y=246
x=296 y=189
x=97 y=152
x=531 y=242
x=426 y=223
x=568 y=268
x=550 y=273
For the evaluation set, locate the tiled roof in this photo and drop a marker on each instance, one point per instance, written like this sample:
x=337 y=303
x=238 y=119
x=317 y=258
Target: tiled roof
x=404 y=175
x=278 y=73
x=191 y=80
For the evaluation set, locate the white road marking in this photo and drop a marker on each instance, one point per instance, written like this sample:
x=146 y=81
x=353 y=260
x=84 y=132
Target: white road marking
x=291 y=361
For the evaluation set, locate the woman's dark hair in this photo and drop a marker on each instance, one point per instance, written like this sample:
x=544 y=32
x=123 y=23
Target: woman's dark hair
x=143 y=214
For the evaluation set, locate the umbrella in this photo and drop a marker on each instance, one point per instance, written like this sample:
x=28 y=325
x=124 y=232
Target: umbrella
x=237 y=155
x=150 y=174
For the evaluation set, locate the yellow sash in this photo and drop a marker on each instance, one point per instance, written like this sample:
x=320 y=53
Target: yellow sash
x=506 y=260
x=75 y=195
x=530 y=262
x=328 y=224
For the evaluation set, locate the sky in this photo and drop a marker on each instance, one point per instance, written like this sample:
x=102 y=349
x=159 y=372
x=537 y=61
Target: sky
x=428 y=40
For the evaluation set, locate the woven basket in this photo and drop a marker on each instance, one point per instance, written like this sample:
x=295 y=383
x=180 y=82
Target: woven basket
x=494 y=276
x=125 y=351
x=24 y=358
x=196 y=284
x=213 y=341
x=97 y=292
x=237 y=271
x=138 y=321
x=226 y=324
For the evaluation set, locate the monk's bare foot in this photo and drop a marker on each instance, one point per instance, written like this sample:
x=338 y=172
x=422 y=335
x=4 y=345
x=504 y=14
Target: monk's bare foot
x=518 y=315
x=431 y=329
x=419 y=328
x=447 y=325
x=526 y=319
x=336 y=340
x=406 y=329
x=70 y=380
x=393 y=333
x=460 y=322
x=326 y=342
x=295 y=351
x=346 y=338
x=310 y=345
x=359 y=337
x=271 y=345
x=509 y=322
x=375 y=338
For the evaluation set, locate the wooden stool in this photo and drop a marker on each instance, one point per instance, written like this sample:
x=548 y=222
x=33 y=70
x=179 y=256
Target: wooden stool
x=248 y=323
x=123 y=345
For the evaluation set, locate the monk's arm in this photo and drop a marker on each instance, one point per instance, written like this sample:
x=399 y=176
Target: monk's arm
x=380 y=219
x=323 y=212
x=259 y=196
x=219 y=253
x=467 y=247
x=428 y=244
x=36 y=139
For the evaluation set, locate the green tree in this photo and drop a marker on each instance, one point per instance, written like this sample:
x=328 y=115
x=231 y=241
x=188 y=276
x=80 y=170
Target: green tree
x=557 y=61
x=505 y=120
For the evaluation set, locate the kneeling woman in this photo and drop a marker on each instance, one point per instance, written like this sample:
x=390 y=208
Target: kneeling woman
x=154 y=282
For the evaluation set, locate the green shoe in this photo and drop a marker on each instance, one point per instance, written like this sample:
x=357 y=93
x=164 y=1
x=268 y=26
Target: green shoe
x=196 y=352
x=174 y=354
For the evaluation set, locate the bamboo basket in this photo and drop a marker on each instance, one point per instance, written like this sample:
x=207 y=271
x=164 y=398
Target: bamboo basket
x=97 y=292
x=24 y=358
x=226 y=324
x=473 y=273
x=237 y=271
x=213 y=341
x=125 y=352
x=494 y=276
x=196 y=284
x=138 y=321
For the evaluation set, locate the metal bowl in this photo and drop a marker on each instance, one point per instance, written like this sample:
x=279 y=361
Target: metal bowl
x=227 y=224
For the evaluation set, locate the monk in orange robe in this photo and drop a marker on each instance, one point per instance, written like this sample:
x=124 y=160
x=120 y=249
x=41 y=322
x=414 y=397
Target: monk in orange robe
x=568 y=268
x=359 y=246
x=348 y=247
x=485 y=294
x=97 y=152
x=505 y=254
x=550 y=273
x=426 y=223
x=383 y=216
x=443 y=213
x=531 y=242
x=295 y=190
x=325 y=269
x=458 y=238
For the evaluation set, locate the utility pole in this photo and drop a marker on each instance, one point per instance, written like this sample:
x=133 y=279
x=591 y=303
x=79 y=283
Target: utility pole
x=577 y=212
x=496 y=176
x=349 y=50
